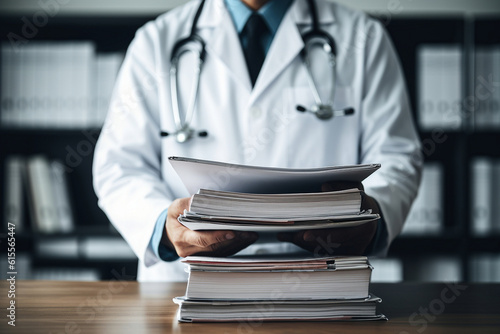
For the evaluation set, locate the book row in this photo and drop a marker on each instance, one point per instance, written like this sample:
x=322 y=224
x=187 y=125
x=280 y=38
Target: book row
x=441 y=102
x=42 y=185
x=54 y=84
x=426 y=216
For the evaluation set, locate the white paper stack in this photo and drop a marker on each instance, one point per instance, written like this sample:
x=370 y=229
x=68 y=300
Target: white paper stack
x=269 y=199
x=229 y=289
x=440 y=87
x=216 y=210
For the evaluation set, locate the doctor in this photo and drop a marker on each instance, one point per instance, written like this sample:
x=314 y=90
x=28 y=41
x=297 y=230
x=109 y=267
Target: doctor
x=245 y=111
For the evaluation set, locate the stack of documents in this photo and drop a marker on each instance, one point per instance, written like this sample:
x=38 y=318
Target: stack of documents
x=216 y=210
x=261 y=199
x=271 y=289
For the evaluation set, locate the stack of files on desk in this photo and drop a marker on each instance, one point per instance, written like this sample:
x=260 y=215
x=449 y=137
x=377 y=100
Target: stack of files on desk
x=277 y=289
x=215 y=210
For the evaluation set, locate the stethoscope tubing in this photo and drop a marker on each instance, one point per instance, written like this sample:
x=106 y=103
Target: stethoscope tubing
x=313 y=37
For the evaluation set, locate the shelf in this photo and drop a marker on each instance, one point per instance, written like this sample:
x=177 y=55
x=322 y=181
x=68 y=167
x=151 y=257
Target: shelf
x=155 y=7
x=486 y=244
x=403 y=247
x=24 y=132
x=79 y=232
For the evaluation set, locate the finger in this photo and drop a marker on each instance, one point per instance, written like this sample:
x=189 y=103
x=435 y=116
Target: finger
x=204 y=239
x=368 y=202
x=341 y=185
x=230 y=247
x=179 y=205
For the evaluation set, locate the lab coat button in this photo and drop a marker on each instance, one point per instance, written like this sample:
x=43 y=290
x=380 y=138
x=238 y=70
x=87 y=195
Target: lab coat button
x=255 y=112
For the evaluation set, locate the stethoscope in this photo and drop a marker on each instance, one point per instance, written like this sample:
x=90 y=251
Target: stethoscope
x=316 y=37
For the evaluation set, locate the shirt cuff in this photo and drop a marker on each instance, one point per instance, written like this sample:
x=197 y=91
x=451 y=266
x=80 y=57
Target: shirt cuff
x=160 y=250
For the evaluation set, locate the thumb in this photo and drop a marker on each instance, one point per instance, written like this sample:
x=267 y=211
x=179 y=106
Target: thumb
x=285 y=236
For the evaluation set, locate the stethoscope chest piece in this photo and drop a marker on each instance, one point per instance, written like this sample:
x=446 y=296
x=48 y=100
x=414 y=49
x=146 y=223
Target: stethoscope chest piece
x=323 y=111
x=183 y=135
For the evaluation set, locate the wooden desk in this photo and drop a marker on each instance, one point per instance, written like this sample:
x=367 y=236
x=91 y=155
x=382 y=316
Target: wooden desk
x=140 y=308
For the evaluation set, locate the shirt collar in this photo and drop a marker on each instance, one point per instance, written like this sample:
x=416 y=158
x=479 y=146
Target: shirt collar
x=272 y=13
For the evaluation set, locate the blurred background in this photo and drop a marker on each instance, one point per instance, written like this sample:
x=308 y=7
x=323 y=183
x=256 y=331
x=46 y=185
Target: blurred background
x=59 y=60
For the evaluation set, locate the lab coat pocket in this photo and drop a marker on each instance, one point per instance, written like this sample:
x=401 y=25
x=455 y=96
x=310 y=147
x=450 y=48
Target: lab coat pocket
x=314 y=142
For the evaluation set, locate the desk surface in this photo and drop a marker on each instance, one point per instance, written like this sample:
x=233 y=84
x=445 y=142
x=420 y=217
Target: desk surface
x=131 y=307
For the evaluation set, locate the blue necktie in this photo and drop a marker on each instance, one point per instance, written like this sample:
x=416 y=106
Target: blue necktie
x=254 y=30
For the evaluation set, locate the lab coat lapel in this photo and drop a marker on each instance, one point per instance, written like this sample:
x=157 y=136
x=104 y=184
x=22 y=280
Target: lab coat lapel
x=222 y=41
x=285 y=47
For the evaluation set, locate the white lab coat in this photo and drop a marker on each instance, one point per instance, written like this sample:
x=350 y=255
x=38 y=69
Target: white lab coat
x=260 y=126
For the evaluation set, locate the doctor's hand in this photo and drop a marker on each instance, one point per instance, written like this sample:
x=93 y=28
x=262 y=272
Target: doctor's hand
x=210 y=243
x=338 y=241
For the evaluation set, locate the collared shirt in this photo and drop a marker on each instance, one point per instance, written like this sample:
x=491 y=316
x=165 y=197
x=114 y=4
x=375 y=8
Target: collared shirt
x=272 y=13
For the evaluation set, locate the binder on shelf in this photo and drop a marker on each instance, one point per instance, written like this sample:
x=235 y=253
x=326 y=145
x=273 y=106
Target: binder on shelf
x=58 y=248
x=485 y=268
x=41 y=195
x=487 y=66
x=482 y=195
x=106 y=248
x=13 y=200
x=66 y=274
x=426 y=214
x=495 y=222
x=434 y=269
x=387 y=270
x=439 y=87
x=61 y=197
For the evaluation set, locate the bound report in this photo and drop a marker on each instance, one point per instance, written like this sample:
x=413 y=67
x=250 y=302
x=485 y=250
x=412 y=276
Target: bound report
x=191 y=310
x=216 y=210
x=292 y=278
x=261 y=199
x=277 y=289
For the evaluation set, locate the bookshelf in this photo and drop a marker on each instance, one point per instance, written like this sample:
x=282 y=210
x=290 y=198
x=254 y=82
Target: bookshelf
x=111 y=25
